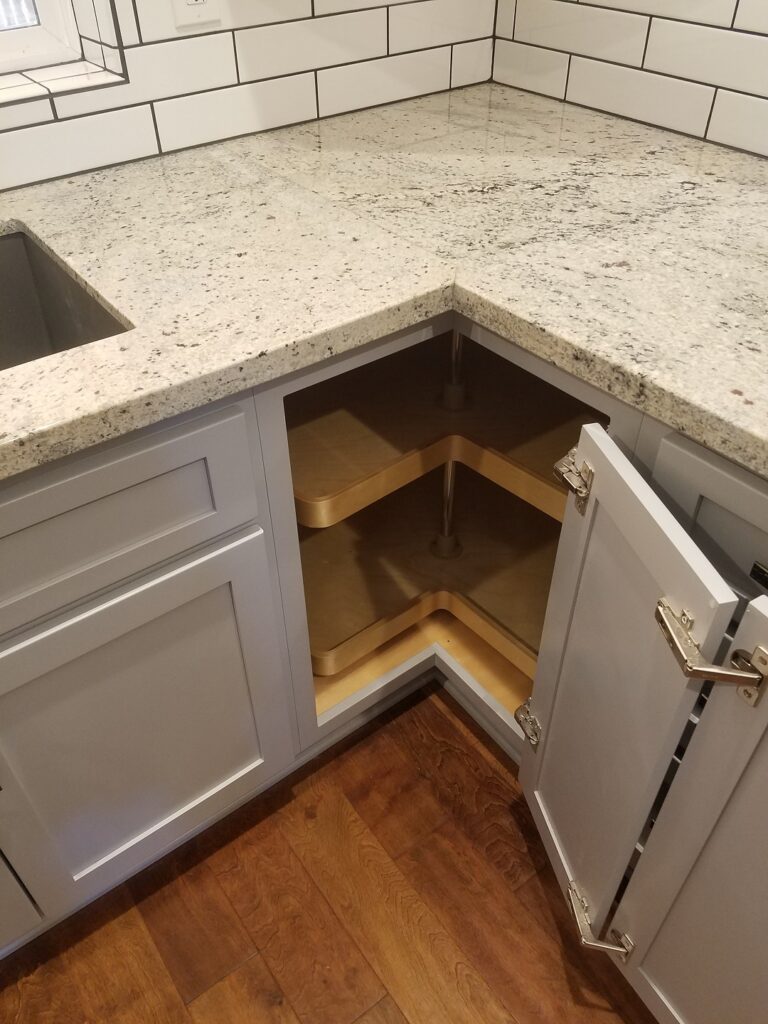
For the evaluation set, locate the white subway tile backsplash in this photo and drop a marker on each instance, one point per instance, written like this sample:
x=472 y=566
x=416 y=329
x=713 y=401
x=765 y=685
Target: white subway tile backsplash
x=740 y=121
x=658 y=61
x=18 y=115
x=472 y=62
x=656 y=99
x=66 y=147
x=735 y=60
x=336 y=6
x=579 y=28
x=709 y=12
x=15 y=88
x=225 y=113
x=505 y=19
x=161 y=70
x=313 y=43
x=383 y=81
x=752 y=16
x=126 y=18
x=157 y=21
x=437 y=22
x=531 y=67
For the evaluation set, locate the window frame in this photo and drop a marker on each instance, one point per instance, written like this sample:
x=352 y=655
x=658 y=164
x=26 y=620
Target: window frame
x=53 y=41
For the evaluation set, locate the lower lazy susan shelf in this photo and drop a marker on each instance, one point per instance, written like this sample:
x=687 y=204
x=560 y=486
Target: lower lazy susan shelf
x=507 y=684
x=373 y=576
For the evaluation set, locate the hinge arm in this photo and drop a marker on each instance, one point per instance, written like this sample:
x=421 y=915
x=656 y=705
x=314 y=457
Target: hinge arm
x=623 y=945
x=748 y=672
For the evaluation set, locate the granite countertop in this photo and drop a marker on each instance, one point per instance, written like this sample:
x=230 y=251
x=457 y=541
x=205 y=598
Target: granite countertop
x=634 y=258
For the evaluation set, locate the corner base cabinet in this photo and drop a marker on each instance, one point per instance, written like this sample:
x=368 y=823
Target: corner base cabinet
x=191 y=614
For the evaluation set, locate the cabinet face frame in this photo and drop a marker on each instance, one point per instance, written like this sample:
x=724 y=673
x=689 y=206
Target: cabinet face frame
x=624 y=426
x=239 y=564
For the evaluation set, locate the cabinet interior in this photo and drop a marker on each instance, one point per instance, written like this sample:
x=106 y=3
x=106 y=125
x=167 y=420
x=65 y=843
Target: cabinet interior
x=446 y=440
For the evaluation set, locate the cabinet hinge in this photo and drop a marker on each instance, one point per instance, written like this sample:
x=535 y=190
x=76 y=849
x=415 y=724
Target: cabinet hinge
x=749 y=672
x=529 y=723
x=577 y=480
x=621 y=945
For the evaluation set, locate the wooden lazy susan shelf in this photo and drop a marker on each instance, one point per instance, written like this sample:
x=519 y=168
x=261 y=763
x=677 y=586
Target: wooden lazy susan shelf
x=373 y=576
x=356 y=438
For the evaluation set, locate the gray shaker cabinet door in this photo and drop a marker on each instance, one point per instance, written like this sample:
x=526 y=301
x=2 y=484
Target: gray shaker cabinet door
x=134 y=722
x=697 y=903
x=609 y=696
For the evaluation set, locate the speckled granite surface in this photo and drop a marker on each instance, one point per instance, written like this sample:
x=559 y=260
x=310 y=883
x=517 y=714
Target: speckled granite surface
x=634 y=258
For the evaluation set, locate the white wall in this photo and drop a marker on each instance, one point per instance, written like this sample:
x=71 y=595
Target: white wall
x=696 y=66
x=267 y=63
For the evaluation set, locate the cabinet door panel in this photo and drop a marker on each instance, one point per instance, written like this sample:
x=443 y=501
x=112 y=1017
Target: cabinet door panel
x=127 y=726
x=17 y=914
x=705 y=859
x=610 y=698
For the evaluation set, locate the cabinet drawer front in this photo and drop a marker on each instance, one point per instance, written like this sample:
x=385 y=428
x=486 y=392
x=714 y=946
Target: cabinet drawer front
x=136 y=721
x=120 y=512
x=17 y=914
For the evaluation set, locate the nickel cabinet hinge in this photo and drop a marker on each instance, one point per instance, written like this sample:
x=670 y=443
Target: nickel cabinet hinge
x=621 y=945
x=749 y=672
x=577 y=480
x=529 y=723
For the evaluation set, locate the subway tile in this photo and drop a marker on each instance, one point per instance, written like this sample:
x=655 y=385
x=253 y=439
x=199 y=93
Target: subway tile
x=92 y=51
x=709 y=12
x=19 y=115
x=734 y=60
x=72 y=69
x=126 y=18
x=336 y=6
x=88 y=80
x=437 y=22
x=655 y=99
x=16 y=87
x=472 y=62
x=753 y=16
x=578 y=28
x=314 y=43
x=740 y=121
x=162 y=70
x=67 y=147
x=225 y=113
x=531 y=67
x=383 y=81
x=505 y=19
x=156 y=18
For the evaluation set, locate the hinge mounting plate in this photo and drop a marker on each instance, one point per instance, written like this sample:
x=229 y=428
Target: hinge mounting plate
x=577 y=480
x=529 y=723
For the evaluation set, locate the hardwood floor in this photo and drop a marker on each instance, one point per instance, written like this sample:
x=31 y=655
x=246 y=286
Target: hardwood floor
x=396 y=880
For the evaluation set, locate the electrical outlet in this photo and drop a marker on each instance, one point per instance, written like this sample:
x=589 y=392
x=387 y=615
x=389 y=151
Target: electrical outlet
x=196 y=12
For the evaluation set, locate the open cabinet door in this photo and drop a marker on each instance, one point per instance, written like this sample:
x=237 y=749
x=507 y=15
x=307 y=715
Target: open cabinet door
x=697 y=903
x=610 y=701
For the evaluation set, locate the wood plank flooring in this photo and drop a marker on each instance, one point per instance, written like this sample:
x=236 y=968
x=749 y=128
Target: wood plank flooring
x=397 y=880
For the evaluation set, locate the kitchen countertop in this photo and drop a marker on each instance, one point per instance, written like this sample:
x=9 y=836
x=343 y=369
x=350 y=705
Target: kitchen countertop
x=633 y=258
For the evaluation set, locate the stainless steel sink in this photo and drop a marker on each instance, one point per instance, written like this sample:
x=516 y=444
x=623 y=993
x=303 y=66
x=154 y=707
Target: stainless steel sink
x=43 y=307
